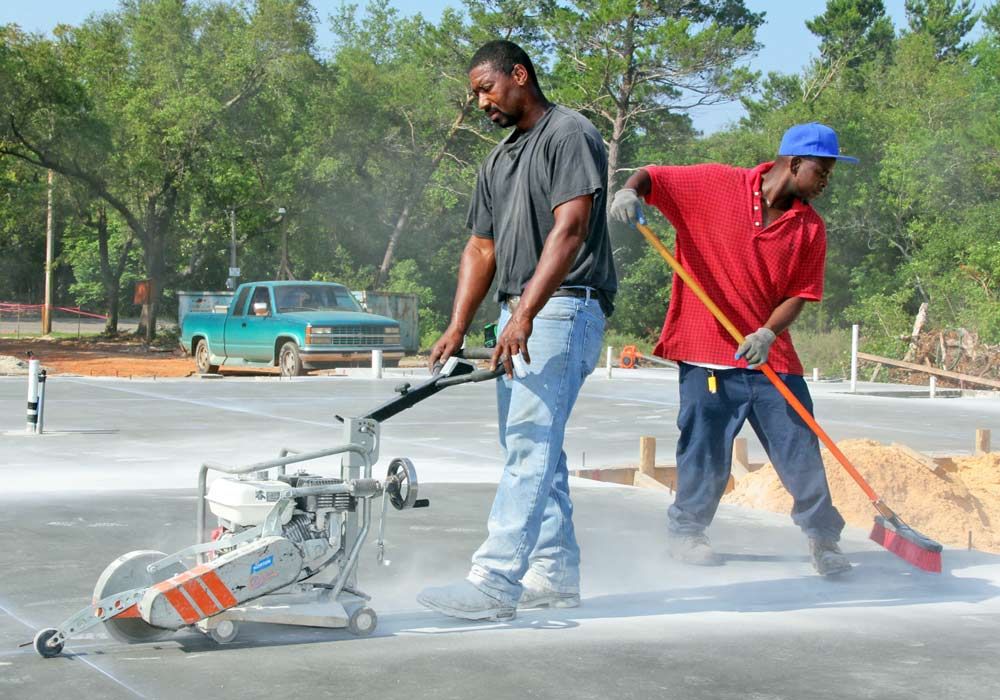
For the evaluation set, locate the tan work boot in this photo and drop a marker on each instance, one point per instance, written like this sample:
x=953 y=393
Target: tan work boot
x=544 y=598
x=692 y=548
x=827 y=557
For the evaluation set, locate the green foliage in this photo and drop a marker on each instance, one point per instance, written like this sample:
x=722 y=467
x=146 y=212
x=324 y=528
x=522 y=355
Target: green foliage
x=884 y=321
x=170 y=124
x=406 y=278
x=644 y=290
x=827 y=351
x=947 y=21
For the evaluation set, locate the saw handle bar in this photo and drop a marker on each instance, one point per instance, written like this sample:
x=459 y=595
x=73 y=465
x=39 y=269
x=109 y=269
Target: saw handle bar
x=769 y=373
x=459 y=371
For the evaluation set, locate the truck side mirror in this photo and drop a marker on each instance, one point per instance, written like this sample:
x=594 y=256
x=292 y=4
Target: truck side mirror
x=260 y=308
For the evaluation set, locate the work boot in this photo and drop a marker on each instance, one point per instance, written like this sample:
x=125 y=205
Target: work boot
x=545 y=598
x=692 y=548
x=466 y=601
x=827 y=557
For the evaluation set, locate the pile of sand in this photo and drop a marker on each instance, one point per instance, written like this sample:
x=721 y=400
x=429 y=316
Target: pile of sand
x=961 y=496
x=11 y=365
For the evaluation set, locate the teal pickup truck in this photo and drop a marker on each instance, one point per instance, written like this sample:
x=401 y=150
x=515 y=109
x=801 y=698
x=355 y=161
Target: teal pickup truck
x=295 y=325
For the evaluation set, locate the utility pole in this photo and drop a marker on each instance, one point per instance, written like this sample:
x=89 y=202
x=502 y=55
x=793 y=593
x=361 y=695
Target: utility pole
x=234 y=271
x=284 y=266
x=47 y=309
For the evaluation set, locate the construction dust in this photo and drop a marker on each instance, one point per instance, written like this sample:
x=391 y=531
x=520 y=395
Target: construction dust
x=960 y=496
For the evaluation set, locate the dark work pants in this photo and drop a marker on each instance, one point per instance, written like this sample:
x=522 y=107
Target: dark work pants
x=710 y=422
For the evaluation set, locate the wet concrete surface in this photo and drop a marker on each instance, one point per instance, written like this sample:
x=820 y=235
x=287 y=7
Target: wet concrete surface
x=117 y=471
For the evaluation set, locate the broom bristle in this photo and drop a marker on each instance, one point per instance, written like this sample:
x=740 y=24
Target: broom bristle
x=907 y=544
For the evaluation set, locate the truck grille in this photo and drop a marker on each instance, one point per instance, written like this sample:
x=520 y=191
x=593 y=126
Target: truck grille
x=357 y=336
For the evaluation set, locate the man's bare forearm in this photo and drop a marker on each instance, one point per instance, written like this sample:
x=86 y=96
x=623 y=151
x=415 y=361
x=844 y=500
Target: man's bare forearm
x=640 y=182
x=785 y=314
x=558 y=254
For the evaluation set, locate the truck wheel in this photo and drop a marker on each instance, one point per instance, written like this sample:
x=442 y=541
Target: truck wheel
x=289 y=361
x=203 y=358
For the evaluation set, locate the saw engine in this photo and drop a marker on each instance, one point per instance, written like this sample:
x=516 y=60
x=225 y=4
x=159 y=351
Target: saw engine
x=285 y=549
x=315 y=524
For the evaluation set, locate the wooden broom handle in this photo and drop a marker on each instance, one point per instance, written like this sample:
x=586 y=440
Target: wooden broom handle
x=765 y=368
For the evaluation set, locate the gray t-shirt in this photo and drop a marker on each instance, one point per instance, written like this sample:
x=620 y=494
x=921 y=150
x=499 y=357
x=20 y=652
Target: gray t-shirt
x=522 y=182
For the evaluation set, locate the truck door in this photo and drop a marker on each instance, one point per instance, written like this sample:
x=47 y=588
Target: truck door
x=250 y=336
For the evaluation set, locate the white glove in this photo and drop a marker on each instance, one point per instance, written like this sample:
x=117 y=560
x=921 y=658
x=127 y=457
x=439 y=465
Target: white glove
x=626 y=207
x=756 y=346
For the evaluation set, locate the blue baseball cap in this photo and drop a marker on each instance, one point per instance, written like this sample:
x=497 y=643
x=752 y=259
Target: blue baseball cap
x=812 y=139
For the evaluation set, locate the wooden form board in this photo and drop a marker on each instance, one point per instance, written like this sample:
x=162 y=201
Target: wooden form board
x=958 y=376
x=626 y=476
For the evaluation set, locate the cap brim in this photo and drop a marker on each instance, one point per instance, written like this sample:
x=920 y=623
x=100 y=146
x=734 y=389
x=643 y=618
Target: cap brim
x=848 y=159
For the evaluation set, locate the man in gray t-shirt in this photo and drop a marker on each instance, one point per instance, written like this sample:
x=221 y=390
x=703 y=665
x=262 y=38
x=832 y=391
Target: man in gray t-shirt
x=518 y=188
x=539 y=227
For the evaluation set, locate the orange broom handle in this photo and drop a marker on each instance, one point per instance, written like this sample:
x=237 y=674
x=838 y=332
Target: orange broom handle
x=768 y=372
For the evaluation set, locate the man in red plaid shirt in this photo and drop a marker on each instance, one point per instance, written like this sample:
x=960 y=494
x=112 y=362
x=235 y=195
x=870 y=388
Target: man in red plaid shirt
x=751 y=239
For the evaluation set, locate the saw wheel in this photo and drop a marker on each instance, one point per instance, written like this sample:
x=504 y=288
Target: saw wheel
x=125 y=573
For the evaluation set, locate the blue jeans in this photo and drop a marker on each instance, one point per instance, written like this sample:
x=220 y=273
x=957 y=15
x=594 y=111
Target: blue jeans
x=710 y=421
x=531 y=533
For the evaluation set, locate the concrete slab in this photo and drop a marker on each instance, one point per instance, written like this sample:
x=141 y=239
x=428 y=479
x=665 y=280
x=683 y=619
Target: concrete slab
x=118 y=475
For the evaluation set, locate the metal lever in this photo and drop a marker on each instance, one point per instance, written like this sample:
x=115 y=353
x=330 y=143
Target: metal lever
x=380 y=542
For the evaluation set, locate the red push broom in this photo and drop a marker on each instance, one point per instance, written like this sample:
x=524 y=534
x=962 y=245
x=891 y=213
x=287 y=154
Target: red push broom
x=889 y=530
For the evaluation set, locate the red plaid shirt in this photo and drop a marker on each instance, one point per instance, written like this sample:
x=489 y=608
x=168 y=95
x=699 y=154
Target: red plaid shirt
x=745 y=268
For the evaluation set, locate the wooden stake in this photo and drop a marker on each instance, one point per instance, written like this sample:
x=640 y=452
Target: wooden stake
x=647 y=455
x=918 y=457
x=982 y=441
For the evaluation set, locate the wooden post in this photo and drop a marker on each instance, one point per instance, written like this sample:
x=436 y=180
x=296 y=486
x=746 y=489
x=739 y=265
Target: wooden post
x=647 y=455
x=982 y=441
x=854 y=358
x=47 y=308
x=741 y=458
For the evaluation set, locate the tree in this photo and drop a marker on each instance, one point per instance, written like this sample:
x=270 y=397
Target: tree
x=852 y=33
x=623 y=62
x=127 y=103
x=948 y=21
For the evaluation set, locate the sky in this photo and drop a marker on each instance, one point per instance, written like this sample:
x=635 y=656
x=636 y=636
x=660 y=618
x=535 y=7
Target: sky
x=787 y=44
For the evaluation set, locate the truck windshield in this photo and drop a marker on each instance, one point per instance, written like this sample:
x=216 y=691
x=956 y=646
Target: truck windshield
x=314 y=297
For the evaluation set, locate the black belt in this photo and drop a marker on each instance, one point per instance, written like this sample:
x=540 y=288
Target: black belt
x=512 y=300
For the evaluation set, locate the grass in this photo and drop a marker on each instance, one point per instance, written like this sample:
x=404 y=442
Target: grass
x=619 y=340
x=829 y=351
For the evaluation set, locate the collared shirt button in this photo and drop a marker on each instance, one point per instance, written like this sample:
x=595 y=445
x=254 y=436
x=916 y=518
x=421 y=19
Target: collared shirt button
x=756 y=223
x=755 y=207
x=757 y=193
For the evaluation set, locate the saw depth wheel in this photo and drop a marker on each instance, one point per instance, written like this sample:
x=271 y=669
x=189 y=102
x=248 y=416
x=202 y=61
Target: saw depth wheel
x=401 y=483
x=125 y=573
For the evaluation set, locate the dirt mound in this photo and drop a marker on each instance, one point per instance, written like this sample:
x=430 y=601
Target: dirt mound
x=96 y=357
x=945 y=504
x=11 y=365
